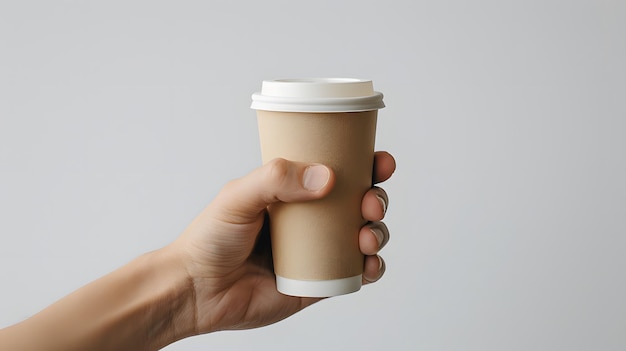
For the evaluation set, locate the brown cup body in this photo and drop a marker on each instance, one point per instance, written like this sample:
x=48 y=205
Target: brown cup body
x=318 y=240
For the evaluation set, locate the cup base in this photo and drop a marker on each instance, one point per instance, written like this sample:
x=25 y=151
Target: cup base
x=318 y=288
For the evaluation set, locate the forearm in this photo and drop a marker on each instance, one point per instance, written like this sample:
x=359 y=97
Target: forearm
x=144 y=305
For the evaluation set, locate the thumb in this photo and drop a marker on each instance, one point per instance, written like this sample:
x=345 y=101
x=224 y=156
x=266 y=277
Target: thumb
x=279 y=180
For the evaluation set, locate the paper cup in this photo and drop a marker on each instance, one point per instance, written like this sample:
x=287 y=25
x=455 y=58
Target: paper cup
x=330 y=121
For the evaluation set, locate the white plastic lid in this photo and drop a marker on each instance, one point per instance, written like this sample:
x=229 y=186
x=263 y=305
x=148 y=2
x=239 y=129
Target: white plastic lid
x=317 y=95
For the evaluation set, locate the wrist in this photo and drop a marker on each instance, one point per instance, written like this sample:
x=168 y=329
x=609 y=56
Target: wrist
x=171 y=309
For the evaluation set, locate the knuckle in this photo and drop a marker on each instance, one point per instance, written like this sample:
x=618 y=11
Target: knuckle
x=278 y=171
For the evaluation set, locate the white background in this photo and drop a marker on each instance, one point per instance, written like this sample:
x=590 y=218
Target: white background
x=119 y=122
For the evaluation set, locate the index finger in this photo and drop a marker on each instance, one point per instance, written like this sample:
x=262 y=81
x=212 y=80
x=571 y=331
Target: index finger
x=384 y=166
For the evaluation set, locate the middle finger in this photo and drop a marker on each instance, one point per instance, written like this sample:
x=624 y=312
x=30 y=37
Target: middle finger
x=374 y=205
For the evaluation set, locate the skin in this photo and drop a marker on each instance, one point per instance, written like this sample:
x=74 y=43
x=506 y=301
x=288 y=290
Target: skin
x=216 y=276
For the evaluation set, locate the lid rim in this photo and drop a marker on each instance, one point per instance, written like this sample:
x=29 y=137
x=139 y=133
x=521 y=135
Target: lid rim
x=317 y=104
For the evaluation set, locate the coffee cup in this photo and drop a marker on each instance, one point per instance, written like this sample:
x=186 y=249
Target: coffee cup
x=332 y=121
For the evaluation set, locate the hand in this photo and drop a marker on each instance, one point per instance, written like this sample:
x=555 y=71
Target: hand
x=217 y=275
x=233 y=285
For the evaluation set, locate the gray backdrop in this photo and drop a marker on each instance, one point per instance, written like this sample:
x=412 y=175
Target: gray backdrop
x=119 y=121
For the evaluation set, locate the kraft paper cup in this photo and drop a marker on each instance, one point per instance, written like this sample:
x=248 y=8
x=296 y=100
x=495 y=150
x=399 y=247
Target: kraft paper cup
x=330 y=121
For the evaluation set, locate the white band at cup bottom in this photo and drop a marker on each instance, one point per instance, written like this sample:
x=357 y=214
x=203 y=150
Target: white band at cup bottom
x=318 y=288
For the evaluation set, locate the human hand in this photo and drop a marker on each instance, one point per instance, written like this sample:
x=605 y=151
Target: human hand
x=229 y=269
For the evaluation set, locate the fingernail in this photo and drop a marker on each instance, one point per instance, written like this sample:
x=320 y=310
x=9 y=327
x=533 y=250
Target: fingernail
x=315 y=177
x=379 y=274
x=383 y=203
x=379 y=235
